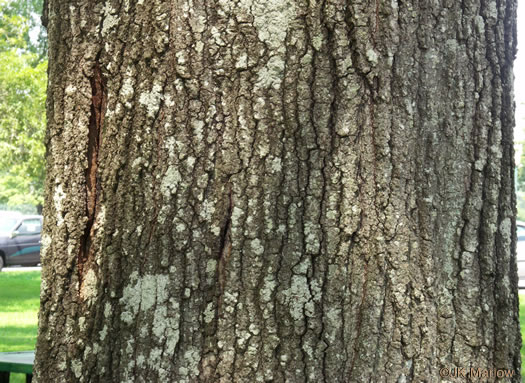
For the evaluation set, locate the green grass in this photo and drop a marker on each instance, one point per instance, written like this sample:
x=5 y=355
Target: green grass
x=522 y=324
x=19 y=302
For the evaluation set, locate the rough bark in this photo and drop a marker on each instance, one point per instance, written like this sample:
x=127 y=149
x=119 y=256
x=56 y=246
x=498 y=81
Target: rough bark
x=278 y=190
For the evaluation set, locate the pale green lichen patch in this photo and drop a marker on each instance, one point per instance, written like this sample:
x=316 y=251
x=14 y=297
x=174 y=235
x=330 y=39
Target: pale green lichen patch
x=317 y=41
x=299 y=299
x=192 y=358
x=198 y=129
x=276 y=165
x=208 y=209
x=71 y=90
x=257 y=247
x=505 y=228
x=142 y=293
x=110 y=20
x=76 y=367
x=209 y=313
x=372 y=56
x=103 y=333
x=127 y=90
x=216 y=230
x=268 y=288
x=242 y=62
x=46 y=242
x=148 y=297
x=211 y=266
x=271 y=74
x=151 y=100
x=271 y=20
x=237 y=213
x=170 y=181
x=88 y=289
x=58 y=197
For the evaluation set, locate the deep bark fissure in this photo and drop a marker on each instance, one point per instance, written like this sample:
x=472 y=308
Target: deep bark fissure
x=96 y=121
x=225 y=248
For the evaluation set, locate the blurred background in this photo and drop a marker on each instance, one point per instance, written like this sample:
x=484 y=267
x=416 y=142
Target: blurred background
x=23 y=79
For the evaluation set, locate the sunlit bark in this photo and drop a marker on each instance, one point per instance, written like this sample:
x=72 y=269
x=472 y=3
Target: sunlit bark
x=288 y=191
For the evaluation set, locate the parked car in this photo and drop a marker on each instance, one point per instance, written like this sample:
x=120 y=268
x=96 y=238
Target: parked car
x=19 y=239
x=8 y=219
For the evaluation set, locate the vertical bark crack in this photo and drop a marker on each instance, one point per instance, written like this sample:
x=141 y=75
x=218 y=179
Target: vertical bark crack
x=96 y=120
x=225 y=248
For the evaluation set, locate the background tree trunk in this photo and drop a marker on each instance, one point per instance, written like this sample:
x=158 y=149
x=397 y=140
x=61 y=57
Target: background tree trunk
x=288 y=191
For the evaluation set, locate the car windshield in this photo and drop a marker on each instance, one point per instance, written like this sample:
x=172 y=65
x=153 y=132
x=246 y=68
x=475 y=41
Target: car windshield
x=7 y=223
x=521 y=232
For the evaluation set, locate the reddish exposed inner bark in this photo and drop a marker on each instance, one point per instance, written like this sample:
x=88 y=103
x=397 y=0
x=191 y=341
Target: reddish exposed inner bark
x=98 y=108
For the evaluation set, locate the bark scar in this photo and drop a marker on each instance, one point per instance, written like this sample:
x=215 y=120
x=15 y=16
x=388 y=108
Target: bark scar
x=96 y=121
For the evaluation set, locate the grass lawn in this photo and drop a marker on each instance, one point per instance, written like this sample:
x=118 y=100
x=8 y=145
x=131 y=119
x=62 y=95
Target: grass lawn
x=19 y=302
x=522 y=324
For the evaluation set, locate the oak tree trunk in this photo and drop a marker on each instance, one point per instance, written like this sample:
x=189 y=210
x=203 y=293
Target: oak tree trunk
x=278 y=190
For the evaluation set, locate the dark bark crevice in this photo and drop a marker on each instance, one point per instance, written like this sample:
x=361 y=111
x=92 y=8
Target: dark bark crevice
x=96 y=121
x=225 y=248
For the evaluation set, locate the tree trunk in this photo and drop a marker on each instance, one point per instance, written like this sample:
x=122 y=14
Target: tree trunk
x=279 y=190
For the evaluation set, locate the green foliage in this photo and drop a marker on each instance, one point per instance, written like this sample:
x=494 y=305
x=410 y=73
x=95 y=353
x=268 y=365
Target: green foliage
x=522 y=325
x=12 y=29
x=22 y=126
x=19 y=21
x=23 y=78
